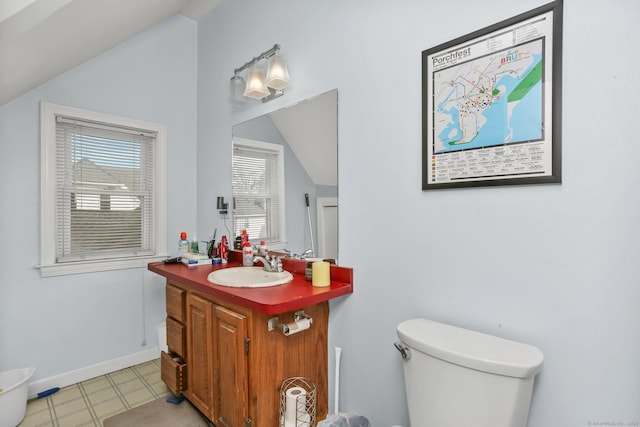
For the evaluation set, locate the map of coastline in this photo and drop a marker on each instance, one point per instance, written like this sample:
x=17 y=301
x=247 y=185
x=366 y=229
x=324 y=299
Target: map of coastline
x=491 y=100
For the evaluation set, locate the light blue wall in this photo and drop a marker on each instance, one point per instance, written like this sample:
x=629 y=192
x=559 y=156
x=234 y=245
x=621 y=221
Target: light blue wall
x=554 y=266
x=61 y=324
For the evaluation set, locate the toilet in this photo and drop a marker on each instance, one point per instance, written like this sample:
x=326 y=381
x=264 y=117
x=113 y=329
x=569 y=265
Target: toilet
x=456 y=377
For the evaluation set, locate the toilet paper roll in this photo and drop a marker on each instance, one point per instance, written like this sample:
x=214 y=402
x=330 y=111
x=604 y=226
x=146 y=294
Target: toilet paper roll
x=295 y=404
x=297 y=326
x=320 y=274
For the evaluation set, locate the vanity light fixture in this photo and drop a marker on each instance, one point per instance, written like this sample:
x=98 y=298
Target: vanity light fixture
x=260 y=86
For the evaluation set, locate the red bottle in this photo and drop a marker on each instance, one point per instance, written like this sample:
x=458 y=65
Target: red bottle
x=224 y=250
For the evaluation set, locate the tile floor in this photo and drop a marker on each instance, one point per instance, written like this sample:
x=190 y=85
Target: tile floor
x=90 y=402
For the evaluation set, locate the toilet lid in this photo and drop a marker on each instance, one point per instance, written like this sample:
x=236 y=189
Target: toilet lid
x=471 y=349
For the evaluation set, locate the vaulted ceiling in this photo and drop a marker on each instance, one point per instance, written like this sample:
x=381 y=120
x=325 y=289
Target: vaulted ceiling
x=40 y=39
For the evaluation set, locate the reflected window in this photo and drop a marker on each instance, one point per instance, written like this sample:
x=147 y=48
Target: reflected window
x=258 y=190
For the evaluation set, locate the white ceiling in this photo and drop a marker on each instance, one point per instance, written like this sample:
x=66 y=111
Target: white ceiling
x=40 y=39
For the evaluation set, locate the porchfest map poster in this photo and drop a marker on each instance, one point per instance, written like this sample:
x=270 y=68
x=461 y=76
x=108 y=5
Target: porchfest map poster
x=491 y=105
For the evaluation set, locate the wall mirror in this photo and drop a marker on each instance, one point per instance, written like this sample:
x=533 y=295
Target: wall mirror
x=306 y=136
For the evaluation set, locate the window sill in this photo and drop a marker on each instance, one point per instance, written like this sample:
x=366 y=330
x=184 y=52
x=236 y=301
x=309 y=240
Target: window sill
x=79 y=267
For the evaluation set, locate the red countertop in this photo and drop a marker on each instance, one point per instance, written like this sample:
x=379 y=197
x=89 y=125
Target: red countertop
x=292 y=296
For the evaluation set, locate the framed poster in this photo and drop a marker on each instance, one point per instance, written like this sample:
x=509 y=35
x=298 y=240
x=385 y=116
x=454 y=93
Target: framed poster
x=491 y=104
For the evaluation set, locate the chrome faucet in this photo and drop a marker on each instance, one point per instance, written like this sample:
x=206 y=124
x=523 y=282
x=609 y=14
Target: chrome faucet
x=306 y=254
x=303 y=255
x=272 y=264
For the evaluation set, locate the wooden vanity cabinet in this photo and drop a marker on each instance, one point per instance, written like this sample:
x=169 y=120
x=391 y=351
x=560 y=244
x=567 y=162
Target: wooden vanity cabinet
x=235 y=365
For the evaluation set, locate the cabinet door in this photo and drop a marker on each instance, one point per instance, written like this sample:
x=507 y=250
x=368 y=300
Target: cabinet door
x=230 y=368
x=200 y=353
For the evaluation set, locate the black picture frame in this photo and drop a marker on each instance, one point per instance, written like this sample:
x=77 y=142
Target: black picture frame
x=491 y=104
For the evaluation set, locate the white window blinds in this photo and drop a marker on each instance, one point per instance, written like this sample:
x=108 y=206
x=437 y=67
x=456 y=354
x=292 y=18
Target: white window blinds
x=104 y=191
x=257 y=192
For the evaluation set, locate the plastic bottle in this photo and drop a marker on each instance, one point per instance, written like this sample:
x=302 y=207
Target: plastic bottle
x=194 y=245
x=244 y=238
x=262 y=248
x=224 y=249
x=247 y=254
x=184 y=243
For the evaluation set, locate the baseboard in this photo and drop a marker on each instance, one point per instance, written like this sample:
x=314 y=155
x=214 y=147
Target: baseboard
x=83 y=374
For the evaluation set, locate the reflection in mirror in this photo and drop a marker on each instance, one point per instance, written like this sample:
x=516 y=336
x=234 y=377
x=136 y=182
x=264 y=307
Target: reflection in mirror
x=278 y=160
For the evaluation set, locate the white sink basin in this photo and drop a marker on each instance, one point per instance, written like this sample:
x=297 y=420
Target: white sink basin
x=248 y=277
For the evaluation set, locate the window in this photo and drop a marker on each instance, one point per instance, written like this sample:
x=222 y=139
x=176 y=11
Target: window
x=103 y=191
x=258 y=191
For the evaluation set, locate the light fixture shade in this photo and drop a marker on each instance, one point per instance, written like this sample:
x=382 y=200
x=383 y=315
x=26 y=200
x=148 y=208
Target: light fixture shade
x=278 y=74
x=255 y=84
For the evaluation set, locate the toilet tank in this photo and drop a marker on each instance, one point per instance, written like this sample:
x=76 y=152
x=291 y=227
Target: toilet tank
x=457 y=377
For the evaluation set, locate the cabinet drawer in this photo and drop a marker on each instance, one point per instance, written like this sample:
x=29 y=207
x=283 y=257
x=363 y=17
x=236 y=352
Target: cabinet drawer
x=176 y=337
x=173 y=372
x=176 y=302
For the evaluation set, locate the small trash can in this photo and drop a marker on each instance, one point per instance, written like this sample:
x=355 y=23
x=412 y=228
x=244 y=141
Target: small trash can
x=14 y=388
